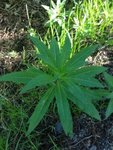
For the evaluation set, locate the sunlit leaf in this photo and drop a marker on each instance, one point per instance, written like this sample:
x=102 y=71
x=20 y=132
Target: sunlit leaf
x=66 y=50
x=55 y=52
x=79 y=58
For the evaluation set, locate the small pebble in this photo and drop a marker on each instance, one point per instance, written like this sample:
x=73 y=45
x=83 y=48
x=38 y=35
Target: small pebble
x=58 y=128
x=74 y=138
x=93 y=148
x=110 y=131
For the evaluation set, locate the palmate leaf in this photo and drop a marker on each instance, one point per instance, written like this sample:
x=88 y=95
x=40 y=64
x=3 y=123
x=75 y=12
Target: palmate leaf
x=109 y=110
x=40 y=109
x=40 y=80
x=79 y=58
x=21 y=76
x=77 y=96
x=64 y=109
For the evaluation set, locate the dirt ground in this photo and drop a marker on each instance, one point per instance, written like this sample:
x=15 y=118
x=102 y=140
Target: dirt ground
x=88 y=133
x=13 y=31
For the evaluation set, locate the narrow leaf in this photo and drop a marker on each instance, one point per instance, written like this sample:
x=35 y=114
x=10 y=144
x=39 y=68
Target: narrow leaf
x=90 y=71
x=79 y=58
x=66 y=50
x=46 y=7
x=79 y=99
x=21 y=76
x=43 y=51
x=55 y=52
x=109 y=110
x=95 y=94
x=109 y=79
x=40 y=80
x=86 y=81
x=64 y=110
x=40 y=110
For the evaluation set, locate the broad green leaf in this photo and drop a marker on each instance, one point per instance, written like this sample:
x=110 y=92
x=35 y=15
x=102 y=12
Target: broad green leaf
x=40 y=110
x=66 y=49
x=109 y=110
x=109 y=79
x=79 y=99
x=64 y=109
x=40 y=80
x=21 y=76
x=55 y=52
x=43 y=51
x=79 y=58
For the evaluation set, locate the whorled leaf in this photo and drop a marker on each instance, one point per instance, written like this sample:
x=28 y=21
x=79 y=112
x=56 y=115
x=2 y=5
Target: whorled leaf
x=55 y=52
x=95 y=94
x=66 y=50
x=78 y=60
x=44 y=53
x=64 y=109
x=40 y=80
x=21 y=76
x=109 y=110
x=90 y=71
x=40 y=109
x=109 y=79
x=87 y=81
x=77 y=96
x=67 y=78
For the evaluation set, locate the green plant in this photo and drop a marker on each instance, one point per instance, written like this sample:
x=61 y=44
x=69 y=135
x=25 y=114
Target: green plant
x=66 y=78
x=2 y=143
x=56 y=12
x=86 y=21
x=57 y=22
x=109 y=81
